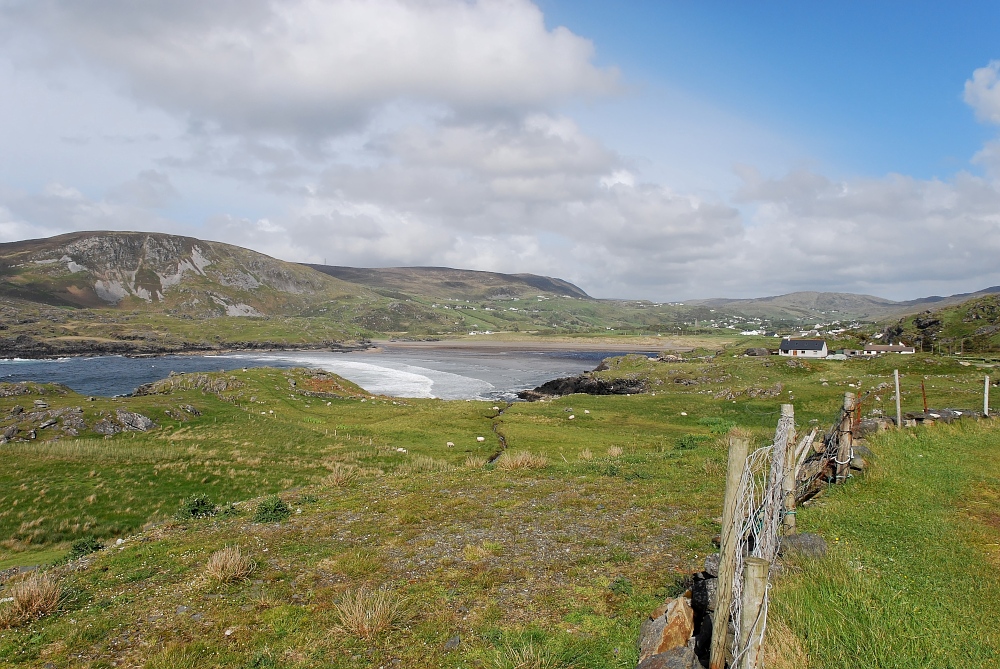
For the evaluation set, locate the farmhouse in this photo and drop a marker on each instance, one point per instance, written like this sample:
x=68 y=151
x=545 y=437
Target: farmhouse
x=805 y=348
x=875 y=349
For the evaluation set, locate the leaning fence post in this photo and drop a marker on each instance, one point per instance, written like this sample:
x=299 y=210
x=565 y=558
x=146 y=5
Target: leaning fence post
x=845 y=439
x=754 y=617
x=728 y=545
x=899 y=413
x=788 y=480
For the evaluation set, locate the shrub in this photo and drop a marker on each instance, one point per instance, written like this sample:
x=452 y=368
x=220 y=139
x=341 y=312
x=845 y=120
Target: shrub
x=366 y=613
x=229 y=565
x=621 y=586
x=197 y=506
x=690 y=440
x=84 y=546
x=521 y=460
x=271 y=510
x=33 y=597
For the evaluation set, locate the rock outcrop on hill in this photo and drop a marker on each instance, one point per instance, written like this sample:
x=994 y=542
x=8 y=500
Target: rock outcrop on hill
x=584 y=384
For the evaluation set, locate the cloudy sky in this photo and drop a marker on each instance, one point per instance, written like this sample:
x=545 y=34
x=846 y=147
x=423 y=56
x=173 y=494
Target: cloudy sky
x=660 y=150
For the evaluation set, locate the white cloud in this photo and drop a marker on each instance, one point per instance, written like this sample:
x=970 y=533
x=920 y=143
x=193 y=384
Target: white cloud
x=313 y=68
x=982 y=92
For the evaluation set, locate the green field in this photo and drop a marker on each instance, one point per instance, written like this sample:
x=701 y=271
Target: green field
x=566 y=556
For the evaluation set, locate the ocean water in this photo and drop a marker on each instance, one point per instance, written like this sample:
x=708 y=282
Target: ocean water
x=446 y=374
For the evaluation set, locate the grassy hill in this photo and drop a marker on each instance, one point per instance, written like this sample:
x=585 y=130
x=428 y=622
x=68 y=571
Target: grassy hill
x=559 y=550
x=972 y=327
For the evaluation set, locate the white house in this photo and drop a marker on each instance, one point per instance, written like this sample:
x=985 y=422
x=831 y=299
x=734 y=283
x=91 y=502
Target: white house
x=875 y=349
x=803 y=348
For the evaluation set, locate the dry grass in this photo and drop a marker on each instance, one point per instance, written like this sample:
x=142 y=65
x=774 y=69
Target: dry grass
x=586 y=455
x=366 y=613
x=475 y=553
x=615 y=451
x=423 y=463
x=509 y=461
x=713 y=468
x=341 y=474
x=475 y=462
x=782 y=648
x=528 y=656
x=33 y=597
x=229 y=565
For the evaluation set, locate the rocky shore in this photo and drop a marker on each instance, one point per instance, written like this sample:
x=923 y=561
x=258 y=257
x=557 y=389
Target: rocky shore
x=584 y=383
x=27 y=347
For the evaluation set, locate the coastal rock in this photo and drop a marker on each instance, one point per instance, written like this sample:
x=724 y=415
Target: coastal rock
x=806 y=544
x=107 y=427
x=584 y=384
x=134 y=422
x=668 y=627
x=678 y=658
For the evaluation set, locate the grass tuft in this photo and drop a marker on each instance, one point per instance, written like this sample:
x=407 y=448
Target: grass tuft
x=509 y=461
x=475 y=462
x=366 y=613
x=271 y=509
x=229 y=565
x=528 y=656
x=586 y=455
x=341 y=475
x=33 y=597
x=615 y=452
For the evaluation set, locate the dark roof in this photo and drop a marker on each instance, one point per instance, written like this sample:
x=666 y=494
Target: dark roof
x=802 y=345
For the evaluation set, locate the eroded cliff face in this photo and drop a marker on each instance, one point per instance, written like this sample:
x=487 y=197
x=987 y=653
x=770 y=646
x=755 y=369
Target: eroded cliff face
x=168 y=272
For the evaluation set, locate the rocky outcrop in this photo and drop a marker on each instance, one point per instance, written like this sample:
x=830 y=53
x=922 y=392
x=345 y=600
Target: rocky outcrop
x=584 y=384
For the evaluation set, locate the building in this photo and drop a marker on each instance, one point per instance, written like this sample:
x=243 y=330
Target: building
x=803 y=348
x=875 y=349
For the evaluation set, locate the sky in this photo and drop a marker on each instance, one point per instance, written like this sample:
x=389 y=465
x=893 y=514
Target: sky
x=648 y=150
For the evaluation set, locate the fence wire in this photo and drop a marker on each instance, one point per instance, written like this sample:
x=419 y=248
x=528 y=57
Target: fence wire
x=758 y=514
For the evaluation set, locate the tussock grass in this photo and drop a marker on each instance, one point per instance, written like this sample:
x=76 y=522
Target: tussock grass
x=586 y=455
x=509 y=460
x=615 y=452
x=423 y=463
x=33 y=596
x=527 y=656
x=367 y=613
x=229 y=565
x=341 y=475
x=475 y=462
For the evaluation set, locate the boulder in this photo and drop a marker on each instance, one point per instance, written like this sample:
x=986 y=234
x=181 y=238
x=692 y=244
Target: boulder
x=757 y=351
x=712 y=564
x=704 y=593
x=105 y=426
x=806 y=544
x=667 y=628
x=677 y=658
x=134 y=422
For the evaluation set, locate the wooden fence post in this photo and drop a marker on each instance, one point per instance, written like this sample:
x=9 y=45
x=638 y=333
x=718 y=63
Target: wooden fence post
x=986 y=397
x=788 y=480
x=845 y=438
x=753 y=619
x=728 y=545
x=899 y=412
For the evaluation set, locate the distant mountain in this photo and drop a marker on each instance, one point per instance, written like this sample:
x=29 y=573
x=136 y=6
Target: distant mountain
x=163 y=273
x=457 y=284
x=833 y=306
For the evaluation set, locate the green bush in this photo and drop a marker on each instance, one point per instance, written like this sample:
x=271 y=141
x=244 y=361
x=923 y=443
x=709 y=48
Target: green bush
x=197 y=506
x=84 y=546
x=271 y=510
x=690 y=440
x=717 y=425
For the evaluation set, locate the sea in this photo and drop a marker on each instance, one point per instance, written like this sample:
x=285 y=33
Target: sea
x=441 y=373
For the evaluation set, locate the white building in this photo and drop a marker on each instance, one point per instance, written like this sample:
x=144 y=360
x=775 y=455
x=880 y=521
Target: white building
x=803 y=348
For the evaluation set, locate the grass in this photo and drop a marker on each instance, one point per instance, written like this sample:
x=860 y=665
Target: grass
x=229 y=565
x=913 y=572
x=366 y=613
x=32 y=597
x=567 y=556
x=509 y=461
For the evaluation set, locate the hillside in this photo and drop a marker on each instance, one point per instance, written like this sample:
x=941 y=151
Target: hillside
x=159 y=272
x=972 y=327
x=455 y=284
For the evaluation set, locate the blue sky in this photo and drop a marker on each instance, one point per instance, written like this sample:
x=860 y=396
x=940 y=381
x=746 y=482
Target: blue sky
x=662 y=150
